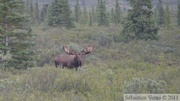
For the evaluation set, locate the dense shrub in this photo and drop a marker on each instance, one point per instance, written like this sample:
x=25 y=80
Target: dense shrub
x=103 y=39
x=100 y=82
x=145 y=85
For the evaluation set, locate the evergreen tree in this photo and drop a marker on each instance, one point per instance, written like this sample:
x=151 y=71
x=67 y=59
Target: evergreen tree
x=93 y=15
x=155 y=15
x=108 y=16
x=97 y=12
x=90 y=19
x=117 y=12
x=81 y=17
x=85 y=16
x=178 y=14
x=167 y=17
x=44 y=12
x=112 y=16
x=161 y=14
x=32 y=17
x=59 y=14
x=139 y=23
x=3 y=33
x=77 y=11
x=16 y=34
x=102 y=14
x=27 y=7
x=37 y=17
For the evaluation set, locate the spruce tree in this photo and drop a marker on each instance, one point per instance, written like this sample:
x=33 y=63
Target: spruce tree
x=43 y=12
x=16 y=34
x=90 y=19
x=37 y=14
x=117 y=12
x=59 y=14
x=155 y=15
x=85 y=16
x=108 y=16
x=161 y=14
x=112 y=16
x=3 y=28
x=32 y=16
x=4 y=37
x=81 y=17
x=27 y=7
x=93 y=15
x=167 y=16
x=178 y=14
x=102 y=14
x=77 y=11
x=139 y=22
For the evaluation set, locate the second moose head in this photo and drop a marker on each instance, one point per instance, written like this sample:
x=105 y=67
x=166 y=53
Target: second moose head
x=72 y=59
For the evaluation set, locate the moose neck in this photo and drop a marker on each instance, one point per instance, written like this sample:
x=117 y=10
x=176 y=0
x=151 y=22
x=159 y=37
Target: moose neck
x=77 y=62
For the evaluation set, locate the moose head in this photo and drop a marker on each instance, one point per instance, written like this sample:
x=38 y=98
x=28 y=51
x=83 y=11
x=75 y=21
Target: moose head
x=72 y=59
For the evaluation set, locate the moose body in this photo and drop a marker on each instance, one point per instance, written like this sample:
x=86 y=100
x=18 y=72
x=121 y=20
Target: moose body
x=72 y=59
x=66 y=60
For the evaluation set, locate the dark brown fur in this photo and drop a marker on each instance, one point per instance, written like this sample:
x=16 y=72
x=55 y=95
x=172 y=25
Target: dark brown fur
x=72 y=59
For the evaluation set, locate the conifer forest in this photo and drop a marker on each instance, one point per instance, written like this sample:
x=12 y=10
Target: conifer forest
x=88 y=50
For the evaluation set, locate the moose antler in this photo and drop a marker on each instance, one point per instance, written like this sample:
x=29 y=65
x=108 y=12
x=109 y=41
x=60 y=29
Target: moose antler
x=66 y=49
x=88 y=50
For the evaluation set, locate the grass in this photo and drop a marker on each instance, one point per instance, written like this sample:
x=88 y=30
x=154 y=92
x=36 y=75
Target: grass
x=103 y=83
x=113 y=69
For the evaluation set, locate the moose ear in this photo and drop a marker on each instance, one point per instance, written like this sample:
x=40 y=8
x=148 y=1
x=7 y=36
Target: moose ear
x=66 y=49
x=88 y=50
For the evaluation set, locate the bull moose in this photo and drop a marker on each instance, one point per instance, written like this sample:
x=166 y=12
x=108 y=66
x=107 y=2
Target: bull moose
x=72 y=59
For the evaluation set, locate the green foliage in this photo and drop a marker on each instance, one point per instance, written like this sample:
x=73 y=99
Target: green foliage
x=90 y=18
x=167 y=16
x=107 y=73
x=43 y=13
x=27 y=7
x=161 y=14
x=75 y=47
x=37 y=13
x=77 y=11
x=178 y=14
x=59 y=14
x=102 y=14
x=139 y=23
x=32 y=16
x=103 y=39
x=145 y=85
x=104 y=82
x=94 y=15
x=108 y=45
x=22 y=54
x=112 y=19
x=85 y=16
x=117 y=13
x=112 y=69
x=7 y=15
x=16 y=35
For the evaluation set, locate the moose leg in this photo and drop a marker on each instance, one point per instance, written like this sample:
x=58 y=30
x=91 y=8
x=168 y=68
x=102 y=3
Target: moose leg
x=56 y=64
x=63 y=65
x=76 y=68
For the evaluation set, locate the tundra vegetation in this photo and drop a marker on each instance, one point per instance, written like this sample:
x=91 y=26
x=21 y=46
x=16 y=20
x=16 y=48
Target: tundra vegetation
x=123 y=61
